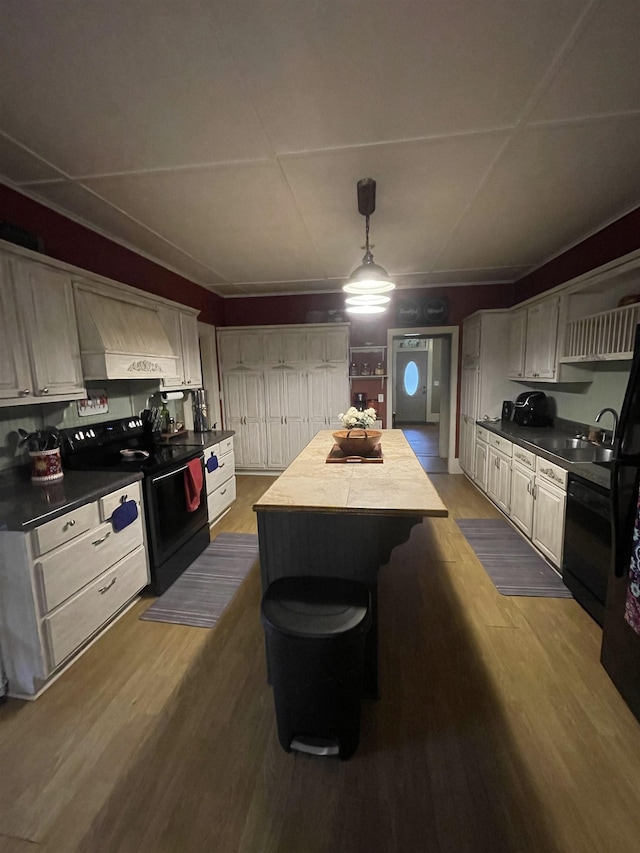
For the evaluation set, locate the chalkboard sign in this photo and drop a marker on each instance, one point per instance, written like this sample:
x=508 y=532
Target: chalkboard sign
x=422 y=311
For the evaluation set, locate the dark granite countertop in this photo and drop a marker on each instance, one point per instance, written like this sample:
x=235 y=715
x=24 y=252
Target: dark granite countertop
x=200 y=439
x=25 y=505
x=527 y=437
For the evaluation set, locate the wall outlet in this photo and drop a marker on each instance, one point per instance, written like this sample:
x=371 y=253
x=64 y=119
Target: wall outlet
x=381 y=398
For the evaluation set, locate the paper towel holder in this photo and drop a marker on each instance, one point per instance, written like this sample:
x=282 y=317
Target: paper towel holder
x=165 y=396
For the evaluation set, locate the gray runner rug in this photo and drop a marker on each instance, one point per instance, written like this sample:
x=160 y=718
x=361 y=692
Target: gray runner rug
x=206 y=587
x=512 y=564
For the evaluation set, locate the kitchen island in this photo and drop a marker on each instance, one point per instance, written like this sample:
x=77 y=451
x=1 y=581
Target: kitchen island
x=343 y=519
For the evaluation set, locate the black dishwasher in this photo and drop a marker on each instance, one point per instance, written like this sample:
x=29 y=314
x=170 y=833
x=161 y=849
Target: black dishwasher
x=587 y=545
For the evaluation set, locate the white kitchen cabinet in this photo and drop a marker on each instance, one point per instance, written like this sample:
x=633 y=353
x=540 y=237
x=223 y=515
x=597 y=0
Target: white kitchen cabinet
x=327 y=396
x=62 y=583
x=245 y=414
x=328 y=345
x=522 y=502
x=40 y=351
x=481 y=458
x=240 y=347
x=285 y=346
x=467 y=445
x=542 y=339
x=286 y=415
x=182 y=330
x=499 y=472
x=548 y=520
x=220 y=481
x=471 y=339
x=517 y=343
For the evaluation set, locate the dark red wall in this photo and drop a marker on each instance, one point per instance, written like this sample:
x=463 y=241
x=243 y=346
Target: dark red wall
x=68 y=241
x=614 y=241
x=256 y=311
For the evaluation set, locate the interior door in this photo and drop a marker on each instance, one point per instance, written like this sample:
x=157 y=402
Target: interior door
x=411 y=386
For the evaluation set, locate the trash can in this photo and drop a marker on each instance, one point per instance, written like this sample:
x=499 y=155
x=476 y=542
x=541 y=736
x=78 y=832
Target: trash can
x=315 y=631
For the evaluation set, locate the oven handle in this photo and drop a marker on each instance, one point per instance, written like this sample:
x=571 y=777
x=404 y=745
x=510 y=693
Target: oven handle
x=170 y=474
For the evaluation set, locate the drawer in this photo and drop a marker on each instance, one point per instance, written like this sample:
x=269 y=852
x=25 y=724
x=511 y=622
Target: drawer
x=482 y=434
x=81 y=616
x=64 y=571
x=226 y=469
x=500 y=443
x=62 y=529
x=553 y=473
x=108 y=503
x=524 y=457
x=225 y=446
x=220 y=499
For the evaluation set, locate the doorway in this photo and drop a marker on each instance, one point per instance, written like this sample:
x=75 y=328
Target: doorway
x=422 y=390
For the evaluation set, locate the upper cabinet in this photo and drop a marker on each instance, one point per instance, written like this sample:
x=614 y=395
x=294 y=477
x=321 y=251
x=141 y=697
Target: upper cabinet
x=330 y=346
x=39 y=348
x=182 y=330
x=517 y=341
x=271 y=346
x=541 y=339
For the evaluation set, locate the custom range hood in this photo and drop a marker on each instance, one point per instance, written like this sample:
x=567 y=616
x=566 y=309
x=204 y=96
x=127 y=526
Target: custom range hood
x=121 y=339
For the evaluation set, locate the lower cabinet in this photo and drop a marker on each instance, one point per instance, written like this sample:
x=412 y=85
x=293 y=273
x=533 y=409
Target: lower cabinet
x=467 y=444
x=481 y=458
x=499 y=472
x=219 y=467
x=550 y=505
x=526 y=487
x=63 y=582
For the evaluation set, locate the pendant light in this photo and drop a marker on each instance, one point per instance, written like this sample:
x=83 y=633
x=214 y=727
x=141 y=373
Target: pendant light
x=369 y=280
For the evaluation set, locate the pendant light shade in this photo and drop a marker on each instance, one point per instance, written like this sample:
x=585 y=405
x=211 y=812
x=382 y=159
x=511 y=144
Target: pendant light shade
x=369 y=278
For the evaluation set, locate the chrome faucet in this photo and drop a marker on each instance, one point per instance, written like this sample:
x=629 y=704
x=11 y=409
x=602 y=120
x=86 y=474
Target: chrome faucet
x=615 y=421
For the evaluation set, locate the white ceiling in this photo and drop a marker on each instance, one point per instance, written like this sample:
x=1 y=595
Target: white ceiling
x=224 y=138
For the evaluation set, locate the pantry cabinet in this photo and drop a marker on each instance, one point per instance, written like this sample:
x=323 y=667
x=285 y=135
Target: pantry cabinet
x=245 y=414
x=286 y=415
x=301 y=375
x=483 y=383
x=39 y=350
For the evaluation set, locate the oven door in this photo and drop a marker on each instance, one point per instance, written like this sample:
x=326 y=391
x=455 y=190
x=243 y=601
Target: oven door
x=169 y=523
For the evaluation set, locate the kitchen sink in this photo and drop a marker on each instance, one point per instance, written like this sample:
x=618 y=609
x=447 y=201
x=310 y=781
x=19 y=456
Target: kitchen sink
x=559 y=444
x=588 y=453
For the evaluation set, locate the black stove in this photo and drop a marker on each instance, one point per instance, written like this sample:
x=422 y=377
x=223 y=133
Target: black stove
x=121 y=445
x=176 y=531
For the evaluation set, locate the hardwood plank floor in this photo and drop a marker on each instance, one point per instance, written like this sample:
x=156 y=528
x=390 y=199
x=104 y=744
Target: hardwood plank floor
x=497 y=730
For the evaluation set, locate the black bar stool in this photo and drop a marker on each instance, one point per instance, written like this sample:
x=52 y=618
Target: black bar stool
x=315 y=632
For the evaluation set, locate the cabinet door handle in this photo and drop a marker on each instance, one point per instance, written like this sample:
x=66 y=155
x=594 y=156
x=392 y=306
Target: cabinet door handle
x=26 y=392
x=223 y=492
x=101 y=540
x=44 y=391
x=108 y=586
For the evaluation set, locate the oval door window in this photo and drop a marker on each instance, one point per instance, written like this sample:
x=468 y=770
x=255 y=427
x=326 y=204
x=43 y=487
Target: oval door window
x=410 y=379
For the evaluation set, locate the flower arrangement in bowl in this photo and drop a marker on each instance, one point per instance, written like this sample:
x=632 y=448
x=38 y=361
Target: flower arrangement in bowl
x=357 y=439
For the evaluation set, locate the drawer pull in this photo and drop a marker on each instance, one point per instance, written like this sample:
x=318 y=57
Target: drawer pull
x=100 y=541
x=71 y=523
x=223 y=492
x=104 y=589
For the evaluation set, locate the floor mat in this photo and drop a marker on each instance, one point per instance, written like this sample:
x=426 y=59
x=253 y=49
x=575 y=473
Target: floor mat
x=512 y=564
x=206 y=587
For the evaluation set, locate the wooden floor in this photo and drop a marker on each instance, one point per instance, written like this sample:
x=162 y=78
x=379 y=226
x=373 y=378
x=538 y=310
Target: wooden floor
x=497 y=729
x=425 y=441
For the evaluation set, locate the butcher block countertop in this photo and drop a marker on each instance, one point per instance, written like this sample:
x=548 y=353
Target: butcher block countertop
x=397 y=486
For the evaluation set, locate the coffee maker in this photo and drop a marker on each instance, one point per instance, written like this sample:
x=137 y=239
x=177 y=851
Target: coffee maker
x=360 y=402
